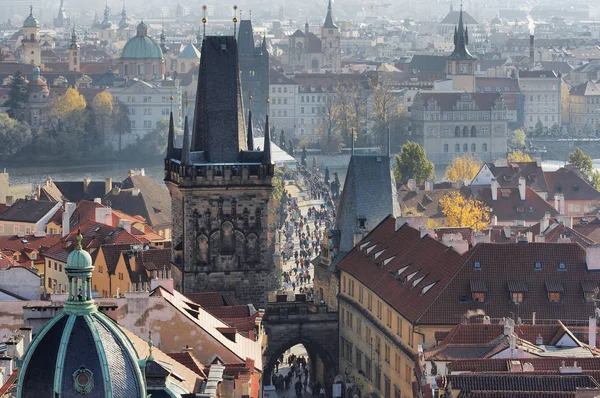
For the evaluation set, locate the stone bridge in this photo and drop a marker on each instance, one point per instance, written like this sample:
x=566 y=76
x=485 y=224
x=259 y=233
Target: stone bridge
x=301 y=322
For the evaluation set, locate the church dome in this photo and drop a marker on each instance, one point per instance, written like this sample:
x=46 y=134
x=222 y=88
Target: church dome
x=141 y=46
x=81 y=351
x=31 y=21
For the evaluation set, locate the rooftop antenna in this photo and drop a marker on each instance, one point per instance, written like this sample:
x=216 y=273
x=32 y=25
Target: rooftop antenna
x=235 y=21
x=203 y=22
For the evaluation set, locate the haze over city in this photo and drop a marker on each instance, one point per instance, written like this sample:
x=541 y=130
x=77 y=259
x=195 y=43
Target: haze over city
x=278 y=199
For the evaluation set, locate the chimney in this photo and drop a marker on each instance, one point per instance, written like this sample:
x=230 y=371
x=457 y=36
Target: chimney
x=509 y=327
x=164 y=280
x=416 y=222
x=494 y=187
x=66 y=218
x=103 y=215
x=592 y=332
x=494 y=220
x=423 y=231
x=515 y=366
x=7 y=363
x=9 y=201
x=539 y=340
x=86 y=184
x=531 y=52
x=565 y=220
x=411 y=184
x=522 y=187
x=26 y=331
x=533 y=318
x=429 y=185
x=135 y=192
x=559 y=203
x=592 y=257
x=38 y=191
x=125 y=224
x=107 y=185
x=545 y=222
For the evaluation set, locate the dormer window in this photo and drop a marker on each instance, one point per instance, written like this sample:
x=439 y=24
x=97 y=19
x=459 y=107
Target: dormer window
x=362 y=222
x=477 y=265
x=517 y=290
x=517 y=297
x=562 y=266
x=538 y=266
x=478 y=290
x=554 y=289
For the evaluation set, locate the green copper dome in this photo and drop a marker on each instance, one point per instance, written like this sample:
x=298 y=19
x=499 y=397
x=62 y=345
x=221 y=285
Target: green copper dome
x=31 y=21
x=141 y=46
x=79 y=258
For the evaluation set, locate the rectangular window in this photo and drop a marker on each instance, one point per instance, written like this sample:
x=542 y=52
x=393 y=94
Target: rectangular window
x=379 y=309
x=386 y=353
x=396 y=392
x=358 y=327
x=407 y=376
x=301 y=109
x=368 y=335
x=397 y=363
x=369 y=301
x=478 y=297
x=368 y=371
x=358 y=363
x=554 y=297
x=351 y=287
x=387 y=388
x=147 y=124
x=360 y=294
x=342 y=316
x=389 y=318
x=377 y=383
x=350 y=319
x=410 y=337
x=399 y=326
x=377 y=345
x=517 y=297
x=344 y=284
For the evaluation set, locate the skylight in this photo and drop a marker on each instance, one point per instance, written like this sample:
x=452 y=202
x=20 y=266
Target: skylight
x=364 y=245
x=416 y=281
x=538 y=266
x=409 y=277
x=477 y=265
x=562 y=266
x=370 y=249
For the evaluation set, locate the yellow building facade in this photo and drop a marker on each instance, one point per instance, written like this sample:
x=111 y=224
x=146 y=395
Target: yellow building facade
x=378 y=346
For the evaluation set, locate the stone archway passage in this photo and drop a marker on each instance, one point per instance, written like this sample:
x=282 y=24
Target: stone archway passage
x=291 y=323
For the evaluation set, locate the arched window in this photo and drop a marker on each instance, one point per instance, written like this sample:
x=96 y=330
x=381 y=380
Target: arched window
x=457 y=148
x=473 y=148
x=465 y=147
x=32 y=37
x=203 y=249
x=465 y=131
x=457 y=131
x=445 y=148
x=227 y=238
x=252 y=252
x=473 y=131
x=484 y=148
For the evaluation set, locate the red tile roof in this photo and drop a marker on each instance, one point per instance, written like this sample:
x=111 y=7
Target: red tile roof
x=426 y=263
x=504 y=365
x=509 y=206
x=568 y=183
x=187 y=359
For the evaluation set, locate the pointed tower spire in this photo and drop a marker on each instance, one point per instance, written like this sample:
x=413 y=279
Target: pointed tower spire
x=389 y=143
x=171 y=138
x=352 y=139
x=264 y=43
x=250 y=135
x=329 y=18
x=461 y=40
x=185 y=152
x=267 y=147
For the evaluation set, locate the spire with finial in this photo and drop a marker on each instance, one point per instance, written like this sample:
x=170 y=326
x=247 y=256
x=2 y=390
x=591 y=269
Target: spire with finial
x=461 y=40
x=74 y=45
x=171 y=136
x=267 y=147
x=235 y=20
x=203 y=22
x=31 y=10
x=150 y=345
x=79 y=271
x=250 y=135
x=264 y=43
x=186 y=149
x=329 y=18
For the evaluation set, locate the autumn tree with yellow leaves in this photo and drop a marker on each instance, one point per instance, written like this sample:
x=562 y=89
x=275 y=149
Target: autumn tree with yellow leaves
x=464 y=212
x=463 y=168
x=519 y=156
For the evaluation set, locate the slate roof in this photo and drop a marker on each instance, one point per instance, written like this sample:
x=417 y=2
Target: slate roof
x=370 y=192
x=27 y=211
x=428 y=63
x=504 y=265
x=189 y=52
x=433 y=262
x=572 y=186
x=496 y=84
x=75 y=191
x=153 y=202
x=211 y=299
x=427 y=203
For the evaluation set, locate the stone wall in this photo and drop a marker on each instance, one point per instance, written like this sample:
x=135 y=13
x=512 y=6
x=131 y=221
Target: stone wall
x=328 y=281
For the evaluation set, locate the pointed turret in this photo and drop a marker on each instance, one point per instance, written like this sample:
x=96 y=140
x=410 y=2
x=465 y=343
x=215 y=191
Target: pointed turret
x=74 y=45
x=267 y=147
x=250 y=136
x=461 y=40
x=329 y=18
x=352 y=152
x=185 y=151
x=264 y=43
x=123 y=23
x=171 y=138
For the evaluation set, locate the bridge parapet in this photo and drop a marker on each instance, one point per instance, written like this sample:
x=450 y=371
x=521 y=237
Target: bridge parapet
x=299 y=311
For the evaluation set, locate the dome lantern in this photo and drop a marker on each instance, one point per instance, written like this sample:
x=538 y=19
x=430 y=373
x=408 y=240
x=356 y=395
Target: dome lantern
x=79 y=270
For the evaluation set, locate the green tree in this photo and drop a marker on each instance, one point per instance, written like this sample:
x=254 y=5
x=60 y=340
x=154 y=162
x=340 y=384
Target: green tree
x=17 y=97
x=595 y=182
x=412 y=162
x=582 y=163
x=555 y=130
x=539 y=128
x=14 y=135
x=518 y=138
x=154 y=144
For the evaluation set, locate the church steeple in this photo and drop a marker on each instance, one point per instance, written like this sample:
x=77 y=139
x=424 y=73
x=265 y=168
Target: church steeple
x=329 y=18
x=171 y=138
x=123 y=23
x=461 y=40
x=250 y=134
x=185 y=151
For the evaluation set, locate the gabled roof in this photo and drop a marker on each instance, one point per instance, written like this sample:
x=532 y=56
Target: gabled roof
x=587 y=88
x=508 y=176
x=453 y=16
x=568 y=183
x=509 y=206
x=190 y=52
x=369 y=192
x=27 y=211
x=430 y=263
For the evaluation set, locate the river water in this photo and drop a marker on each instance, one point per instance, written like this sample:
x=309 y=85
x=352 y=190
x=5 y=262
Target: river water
x=118 y=171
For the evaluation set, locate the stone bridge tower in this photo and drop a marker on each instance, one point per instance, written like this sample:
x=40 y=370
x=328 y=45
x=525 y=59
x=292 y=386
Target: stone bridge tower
x=220 y=188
